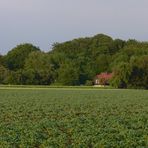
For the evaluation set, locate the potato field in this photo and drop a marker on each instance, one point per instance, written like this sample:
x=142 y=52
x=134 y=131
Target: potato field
x=73 y=118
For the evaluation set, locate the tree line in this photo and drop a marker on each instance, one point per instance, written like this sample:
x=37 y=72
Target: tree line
x=77 y=62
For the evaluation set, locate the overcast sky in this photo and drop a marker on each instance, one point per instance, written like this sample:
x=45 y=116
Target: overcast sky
x=43 y=22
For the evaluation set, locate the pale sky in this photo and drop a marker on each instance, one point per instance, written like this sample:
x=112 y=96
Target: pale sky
x=43 y=22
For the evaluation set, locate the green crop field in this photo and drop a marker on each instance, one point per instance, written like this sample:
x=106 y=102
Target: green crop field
x=73 y=118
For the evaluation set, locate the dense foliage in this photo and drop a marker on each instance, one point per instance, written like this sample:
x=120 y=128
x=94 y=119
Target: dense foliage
x=77 y=62
x=73 y=118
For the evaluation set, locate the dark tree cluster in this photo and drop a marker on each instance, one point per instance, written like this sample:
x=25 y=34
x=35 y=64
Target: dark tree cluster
x=77 y=62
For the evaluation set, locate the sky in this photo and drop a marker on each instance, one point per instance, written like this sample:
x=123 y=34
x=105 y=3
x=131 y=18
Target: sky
x=44 y=22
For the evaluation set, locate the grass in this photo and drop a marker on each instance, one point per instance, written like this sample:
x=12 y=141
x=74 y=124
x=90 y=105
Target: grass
x=51 y=86
x=73 y=117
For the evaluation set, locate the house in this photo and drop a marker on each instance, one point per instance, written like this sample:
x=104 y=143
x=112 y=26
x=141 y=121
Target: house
x=103 y=78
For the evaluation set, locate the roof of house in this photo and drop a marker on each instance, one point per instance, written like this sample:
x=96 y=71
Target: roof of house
x=105 y=75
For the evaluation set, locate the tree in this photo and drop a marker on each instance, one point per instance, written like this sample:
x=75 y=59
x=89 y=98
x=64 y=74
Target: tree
x=38 y=69
x=68 y=74
x=102 y=63
x=116 y=45
x=139 y=74
x=3 y=74
x=15 y=77
x=15 y=59
x=1 y=59
x=121 y=75
x=77 y=62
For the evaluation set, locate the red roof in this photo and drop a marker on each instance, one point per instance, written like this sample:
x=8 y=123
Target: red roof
x=105 y=75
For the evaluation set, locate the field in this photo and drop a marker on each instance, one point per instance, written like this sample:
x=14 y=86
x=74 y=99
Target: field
x=73 y=118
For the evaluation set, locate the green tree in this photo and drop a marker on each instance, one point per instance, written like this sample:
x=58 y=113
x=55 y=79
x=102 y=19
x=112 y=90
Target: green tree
x=15 y=77
x=3 y=74
x=68 y=74
x=38 y=68
x=102 y=63
x=121 y=75
x=116 y=45
x=76 y=62
x=15 y=59
x=139 y=74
